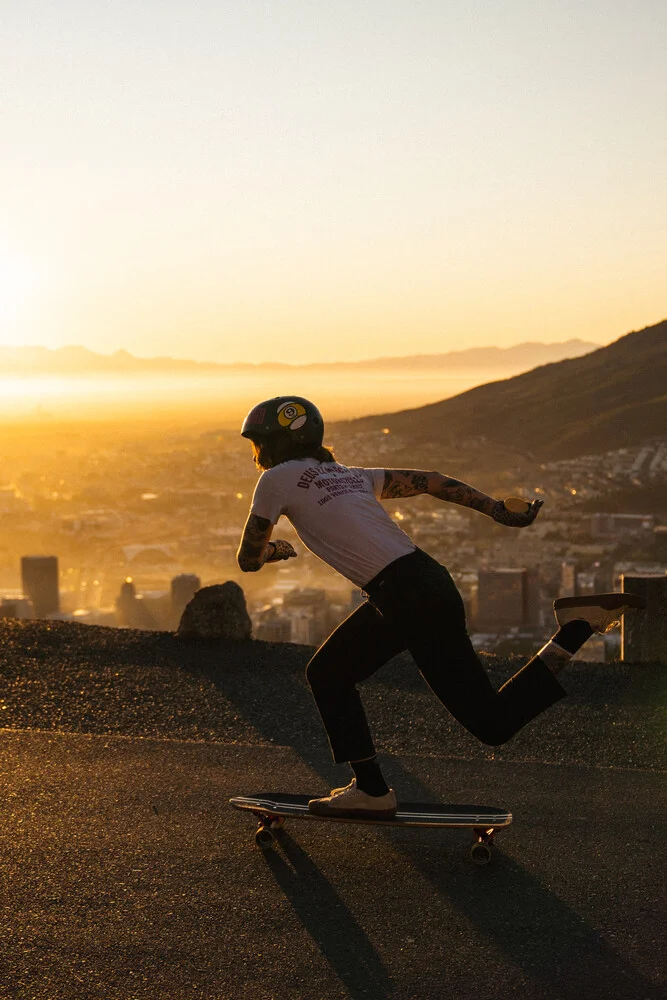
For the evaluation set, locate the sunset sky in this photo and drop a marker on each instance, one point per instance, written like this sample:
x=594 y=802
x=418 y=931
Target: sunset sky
x=303 y=180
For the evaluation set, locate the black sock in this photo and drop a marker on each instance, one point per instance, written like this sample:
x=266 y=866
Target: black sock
x=573 y=635
x=561 y=648
x=369 y=777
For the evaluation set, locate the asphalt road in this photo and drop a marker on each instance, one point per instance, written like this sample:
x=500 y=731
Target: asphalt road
x=125 y=875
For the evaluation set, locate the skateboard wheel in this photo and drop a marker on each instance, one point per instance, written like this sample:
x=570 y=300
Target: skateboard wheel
x=278 y=823
x=264 y=838
x=480 y=853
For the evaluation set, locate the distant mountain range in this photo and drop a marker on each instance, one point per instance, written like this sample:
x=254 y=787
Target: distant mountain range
x=612 y=398
x=81 y=361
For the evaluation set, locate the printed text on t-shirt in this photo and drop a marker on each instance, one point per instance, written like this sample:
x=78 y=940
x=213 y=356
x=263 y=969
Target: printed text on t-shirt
x=306 y=479
x=338 y=486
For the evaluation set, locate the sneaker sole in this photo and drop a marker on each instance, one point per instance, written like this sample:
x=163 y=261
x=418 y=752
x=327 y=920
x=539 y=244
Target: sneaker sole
x=610 y=602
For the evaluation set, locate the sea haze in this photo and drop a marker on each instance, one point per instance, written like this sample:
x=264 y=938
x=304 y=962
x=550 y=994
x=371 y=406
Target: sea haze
x=76 y=383
x=342 y=397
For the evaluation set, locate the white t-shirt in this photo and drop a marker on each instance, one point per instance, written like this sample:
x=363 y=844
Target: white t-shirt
x=336 y=514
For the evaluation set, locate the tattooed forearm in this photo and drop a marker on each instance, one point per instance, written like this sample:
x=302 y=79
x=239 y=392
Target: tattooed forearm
x=252 y=552
x=410 y=482
x=454 y=491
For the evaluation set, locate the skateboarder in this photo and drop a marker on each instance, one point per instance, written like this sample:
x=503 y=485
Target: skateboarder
x=412 y=602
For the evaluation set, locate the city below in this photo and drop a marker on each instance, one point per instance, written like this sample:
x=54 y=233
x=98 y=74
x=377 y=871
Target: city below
x=121 y=527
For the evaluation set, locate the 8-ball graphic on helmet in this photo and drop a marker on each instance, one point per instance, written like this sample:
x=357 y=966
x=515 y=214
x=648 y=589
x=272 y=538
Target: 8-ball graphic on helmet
x=289 y=415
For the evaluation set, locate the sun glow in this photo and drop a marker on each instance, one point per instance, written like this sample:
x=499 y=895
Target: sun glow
x=18 y=281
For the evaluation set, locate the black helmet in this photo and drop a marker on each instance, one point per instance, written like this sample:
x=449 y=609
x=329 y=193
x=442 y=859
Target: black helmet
x=288 y=415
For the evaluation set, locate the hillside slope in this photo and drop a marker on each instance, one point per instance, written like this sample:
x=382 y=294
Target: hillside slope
x=612 y=398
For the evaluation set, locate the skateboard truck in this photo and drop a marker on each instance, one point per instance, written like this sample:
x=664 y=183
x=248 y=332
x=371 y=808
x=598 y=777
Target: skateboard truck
x=266 y=831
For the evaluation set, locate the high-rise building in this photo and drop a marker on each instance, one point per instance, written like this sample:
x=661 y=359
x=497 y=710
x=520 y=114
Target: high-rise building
x=39 y=578
x=125 y=602
x=135 y=610
x=183 y=589
x=505 y=599
x=568 y=579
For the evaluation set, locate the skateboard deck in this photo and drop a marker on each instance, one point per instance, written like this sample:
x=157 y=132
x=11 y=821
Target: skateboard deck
x=273 y=808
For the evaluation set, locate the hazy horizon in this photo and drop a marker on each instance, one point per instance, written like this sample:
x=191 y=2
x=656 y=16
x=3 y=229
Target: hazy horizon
x=358 y=390
x=225 y=398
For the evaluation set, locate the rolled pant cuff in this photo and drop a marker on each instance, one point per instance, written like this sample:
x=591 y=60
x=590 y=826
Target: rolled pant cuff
x=343 y=755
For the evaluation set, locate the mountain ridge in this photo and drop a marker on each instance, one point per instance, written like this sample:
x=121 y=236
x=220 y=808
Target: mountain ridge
x=80 y=360
x=613 y=397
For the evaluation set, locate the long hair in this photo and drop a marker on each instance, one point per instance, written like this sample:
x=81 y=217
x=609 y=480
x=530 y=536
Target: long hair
x=272 y=451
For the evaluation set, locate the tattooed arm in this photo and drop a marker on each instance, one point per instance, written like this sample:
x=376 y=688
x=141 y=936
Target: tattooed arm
x=256 y=547
x=409 y=483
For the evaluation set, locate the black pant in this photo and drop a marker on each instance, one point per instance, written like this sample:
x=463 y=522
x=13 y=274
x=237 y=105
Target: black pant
x=414 y=604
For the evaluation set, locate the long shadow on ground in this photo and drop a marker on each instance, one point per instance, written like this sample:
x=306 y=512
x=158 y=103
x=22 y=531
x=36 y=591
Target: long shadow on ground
x=534 y=929
x=329 y=922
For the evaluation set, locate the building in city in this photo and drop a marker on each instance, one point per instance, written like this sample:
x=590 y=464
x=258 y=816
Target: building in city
x=507 y=599
x=308 y=612
x=39 y=578
x=272 y=625
x=16 y=606
x=183 y=589
x=568 y=578
x=145 y=611
x=610 y=525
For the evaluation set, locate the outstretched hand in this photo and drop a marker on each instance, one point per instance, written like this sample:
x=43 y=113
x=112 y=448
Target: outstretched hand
x=280 y=549
x=515 y=518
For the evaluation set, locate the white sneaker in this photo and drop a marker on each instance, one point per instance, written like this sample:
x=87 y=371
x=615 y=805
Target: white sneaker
x=344 y=788
x=601 y=611
x=352 y=803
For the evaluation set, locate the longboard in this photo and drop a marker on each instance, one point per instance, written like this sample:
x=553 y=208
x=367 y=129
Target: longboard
x=273 y=808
